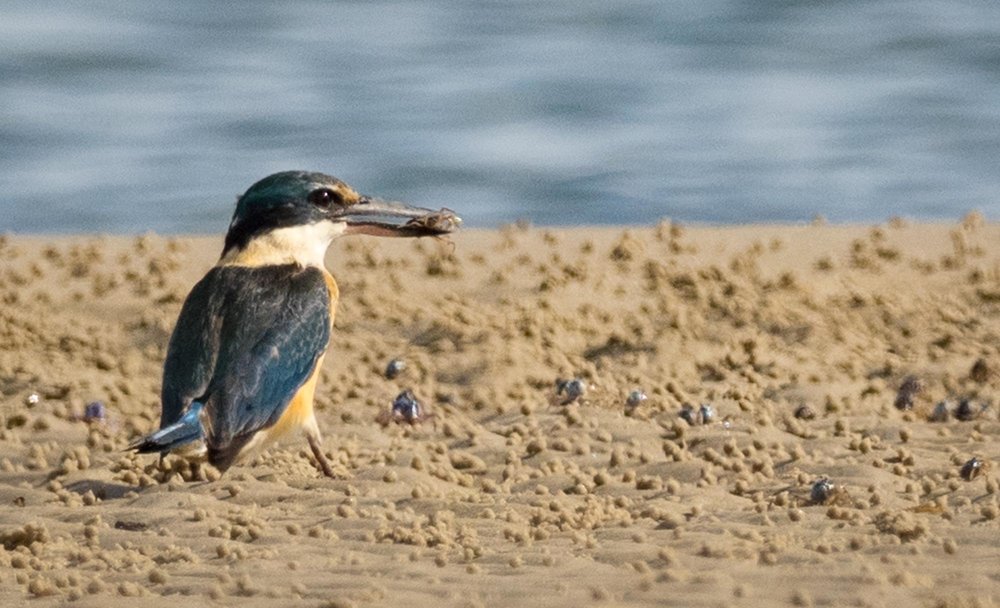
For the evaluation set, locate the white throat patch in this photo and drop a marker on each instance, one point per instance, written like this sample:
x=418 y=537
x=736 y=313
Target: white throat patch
x=304 y=245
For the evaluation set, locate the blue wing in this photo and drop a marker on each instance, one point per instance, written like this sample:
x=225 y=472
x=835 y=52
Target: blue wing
x=194 y=347
x=251 y=338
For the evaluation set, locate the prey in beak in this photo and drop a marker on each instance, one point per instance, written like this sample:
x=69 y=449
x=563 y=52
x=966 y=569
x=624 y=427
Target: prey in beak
x=377 y=217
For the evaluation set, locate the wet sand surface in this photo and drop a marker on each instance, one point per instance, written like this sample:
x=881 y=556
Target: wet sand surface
x=798 y=337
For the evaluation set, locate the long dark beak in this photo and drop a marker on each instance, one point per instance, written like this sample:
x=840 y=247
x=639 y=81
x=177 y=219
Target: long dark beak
x=384 y=218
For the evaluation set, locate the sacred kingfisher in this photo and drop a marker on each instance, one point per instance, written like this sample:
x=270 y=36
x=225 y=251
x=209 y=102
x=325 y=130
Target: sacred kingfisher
x=245 y=354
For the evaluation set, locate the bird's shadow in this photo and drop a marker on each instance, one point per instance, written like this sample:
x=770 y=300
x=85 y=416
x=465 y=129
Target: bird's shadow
x=101 y=489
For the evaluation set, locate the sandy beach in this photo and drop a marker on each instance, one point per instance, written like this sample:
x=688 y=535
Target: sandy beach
x=509 y=494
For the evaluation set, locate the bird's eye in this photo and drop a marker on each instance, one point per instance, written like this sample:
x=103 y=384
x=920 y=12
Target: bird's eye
x=325 y=198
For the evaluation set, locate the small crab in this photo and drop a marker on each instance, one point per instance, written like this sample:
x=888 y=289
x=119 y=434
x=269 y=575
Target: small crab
x=405 y=409
x=32 y=399
x=635 y=398
x=444 y=221
x=971 y=469
x=395 y=368
x=688 y=415
x=910 y=388
x=821 y=491
x=95 y=411
x=703 y=415
x=966 y=411
x=941 y=413
x=570 y=390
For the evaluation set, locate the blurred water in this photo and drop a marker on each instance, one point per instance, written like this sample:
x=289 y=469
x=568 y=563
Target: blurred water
x=128 y=116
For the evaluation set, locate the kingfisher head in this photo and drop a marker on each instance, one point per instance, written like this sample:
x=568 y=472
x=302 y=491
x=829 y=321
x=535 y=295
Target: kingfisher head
x=296 y=214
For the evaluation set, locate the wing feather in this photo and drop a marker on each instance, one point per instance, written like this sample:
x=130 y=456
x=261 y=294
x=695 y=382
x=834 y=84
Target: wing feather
x=247 y=339
x=194 y=347
x=268 y=352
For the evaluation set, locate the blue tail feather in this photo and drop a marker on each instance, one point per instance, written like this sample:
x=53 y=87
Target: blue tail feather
x=186 y=430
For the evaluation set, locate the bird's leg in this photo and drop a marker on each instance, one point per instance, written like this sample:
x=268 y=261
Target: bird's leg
x=312 y=434
x=320 y=457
